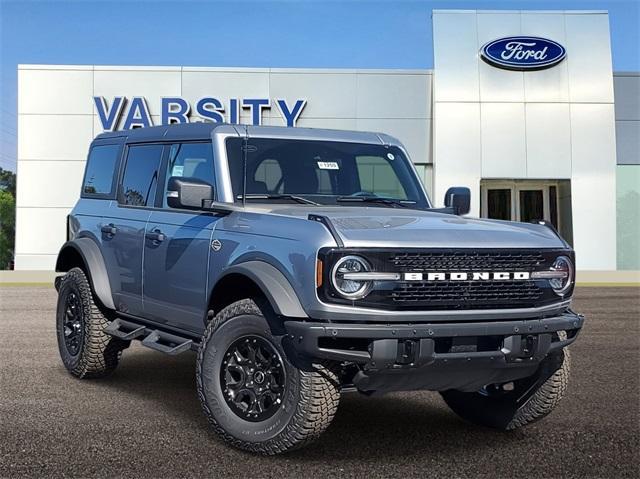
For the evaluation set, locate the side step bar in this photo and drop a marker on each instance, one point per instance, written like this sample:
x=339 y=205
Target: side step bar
x=167 y=343
x=152 y=338
x=124 y=329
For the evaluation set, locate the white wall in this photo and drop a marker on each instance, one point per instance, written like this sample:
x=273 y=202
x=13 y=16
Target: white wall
x=57 y=121
x=555 y=123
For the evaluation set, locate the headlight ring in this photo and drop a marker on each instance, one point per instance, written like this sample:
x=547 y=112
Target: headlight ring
x=351 y=288
x=562 y=284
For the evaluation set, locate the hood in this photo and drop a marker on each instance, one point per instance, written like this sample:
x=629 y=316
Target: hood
x=394 y=227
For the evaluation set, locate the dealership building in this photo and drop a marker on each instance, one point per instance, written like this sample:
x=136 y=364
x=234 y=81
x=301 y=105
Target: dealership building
x=558 y=142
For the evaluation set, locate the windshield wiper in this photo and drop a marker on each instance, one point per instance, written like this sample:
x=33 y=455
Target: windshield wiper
x=376 y=199
x=298 y=199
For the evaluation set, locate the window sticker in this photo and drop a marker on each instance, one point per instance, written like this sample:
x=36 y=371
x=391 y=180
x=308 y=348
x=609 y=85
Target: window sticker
x=390 y=156
x=328 y=165
x=178 y=170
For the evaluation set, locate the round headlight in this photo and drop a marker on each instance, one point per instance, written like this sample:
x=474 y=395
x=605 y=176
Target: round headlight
x=343 y=280
x=563 y=282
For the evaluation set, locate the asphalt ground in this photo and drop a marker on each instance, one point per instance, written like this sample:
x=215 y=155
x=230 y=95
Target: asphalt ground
x=145 y=420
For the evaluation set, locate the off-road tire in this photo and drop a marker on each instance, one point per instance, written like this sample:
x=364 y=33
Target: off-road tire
x=311 y=394
x=99 y=353
x=503 y=412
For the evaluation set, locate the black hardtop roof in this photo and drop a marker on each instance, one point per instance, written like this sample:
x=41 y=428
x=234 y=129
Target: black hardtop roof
x=204 y=131
x=178 y=131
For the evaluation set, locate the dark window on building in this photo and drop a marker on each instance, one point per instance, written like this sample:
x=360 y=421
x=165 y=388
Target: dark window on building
x=499 y=204
x=531 y=205
x=141 y=175
x=99 y=174
x=190 y=160
x=553 y=206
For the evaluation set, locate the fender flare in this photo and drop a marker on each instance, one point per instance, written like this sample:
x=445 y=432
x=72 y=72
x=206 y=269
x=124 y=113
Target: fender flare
x=275 y=286
x=95 y=267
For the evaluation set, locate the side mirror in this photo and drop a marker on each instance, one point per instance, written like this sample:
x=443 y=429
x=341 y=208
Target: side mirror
x=188 y=193
x=458 y=198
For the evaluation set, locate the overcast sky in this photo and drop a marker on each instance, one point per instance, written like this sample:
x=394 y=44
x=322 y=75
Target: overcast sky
x=322 y=34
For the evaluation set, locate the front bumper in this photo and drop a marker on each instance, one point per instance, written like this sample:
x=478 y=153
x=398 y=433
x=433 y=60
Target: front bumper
x=437 y=356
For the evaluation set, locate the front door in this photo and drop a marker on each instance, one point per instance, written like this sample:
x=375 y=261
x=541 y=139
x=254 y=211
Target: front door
x=177 y=246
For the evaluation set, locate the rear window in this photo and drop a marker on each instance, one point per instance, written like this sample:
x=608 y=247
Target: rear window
x=100 y=170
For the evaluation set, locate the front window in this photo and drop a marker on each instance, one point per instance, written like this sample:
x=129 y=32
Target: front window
x=324 y=172
x=190 y=160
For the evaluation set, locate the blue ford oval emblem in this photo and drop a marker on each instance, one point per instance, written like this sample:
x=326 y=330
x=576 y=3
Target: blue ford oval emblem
x=523 y=53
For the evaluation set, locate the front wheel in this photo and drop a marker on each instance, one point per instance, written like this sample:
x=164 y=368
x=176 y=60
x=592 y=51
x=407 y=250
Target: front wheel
x=86 y=350
x=253 y=396
x=516 y=404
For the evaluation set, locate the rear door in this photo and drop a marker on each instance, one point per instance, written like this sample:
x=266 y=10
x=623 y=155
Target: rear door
x=177 y=243
x=98 y=186
x=123 y=231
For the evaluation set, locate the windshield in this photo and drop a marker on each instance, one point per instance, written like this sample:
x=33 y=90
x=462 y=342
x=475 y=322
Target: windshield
x=324 y=172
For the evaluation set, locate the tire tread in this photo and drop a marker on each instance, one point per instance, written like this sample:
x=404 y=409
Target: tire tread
x=319 y=396
x=100 y=353
x=545 y=399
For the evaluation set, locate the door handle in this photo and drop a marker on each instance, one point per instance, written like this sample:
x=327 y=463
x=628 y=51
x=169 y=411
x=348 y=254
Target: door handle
x=156 y=236
x=109 y=229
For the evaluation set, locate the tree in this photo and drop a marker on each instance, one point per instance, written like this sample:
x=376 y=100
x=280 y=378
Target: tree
x=8 y=181
x=7 y=217
x=7 y=228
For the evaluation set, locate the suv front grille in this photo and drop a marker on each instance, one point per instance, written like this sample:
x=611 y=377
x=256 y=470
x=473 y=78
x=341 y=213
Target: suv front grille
x=447 y=294
x=466 y=261
x=466 y=294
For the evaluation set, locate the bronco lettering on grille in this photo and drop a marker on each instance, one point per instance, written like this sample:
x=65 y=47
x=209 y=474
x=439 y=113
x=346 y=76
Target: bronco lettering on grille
x=474 y=276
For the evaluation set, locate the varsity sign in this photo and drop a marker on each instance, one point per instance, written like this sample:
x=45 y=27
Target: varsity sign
x=122 y=113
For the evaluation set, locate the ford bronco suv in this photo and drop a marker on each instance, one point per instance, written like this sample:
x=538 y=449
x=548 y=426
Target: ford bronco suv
x=300 y=264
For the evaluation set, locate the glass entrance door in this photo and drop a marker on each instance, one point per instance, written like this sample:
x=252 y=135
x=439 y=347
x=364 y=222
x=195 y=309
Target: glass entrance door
x=499 y=204
x=520 y=201
x=531 y=205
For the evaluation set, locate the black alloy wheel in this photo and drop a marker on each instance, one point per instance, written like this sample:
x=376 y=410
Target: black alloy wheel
x=253 y=378
x=73 y=324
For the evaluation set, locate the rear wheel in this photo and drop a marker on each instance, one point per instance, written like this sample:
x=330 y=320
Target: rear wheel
x=518 y=403
x=86 y=351
x=253 y=396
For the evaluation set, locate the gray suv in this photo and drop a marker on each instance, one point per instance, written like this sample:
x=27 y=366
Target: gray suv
x=300 y=264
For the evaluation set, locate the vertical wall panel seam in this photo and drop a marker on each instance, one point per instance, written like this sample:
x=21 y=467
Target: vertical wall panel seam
x=569 y=102
x=269 y=87
x=93 y=94
x=355 y=97
x=524 y=111
x=481 y=152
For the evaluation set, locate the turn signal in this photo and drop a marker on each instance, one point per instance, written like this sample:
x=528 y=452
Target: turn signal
x=319 y=273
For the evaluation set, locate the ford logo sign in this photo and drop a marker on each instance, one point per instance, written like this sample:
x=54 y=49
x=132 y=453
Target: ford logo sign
x=523 y=53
